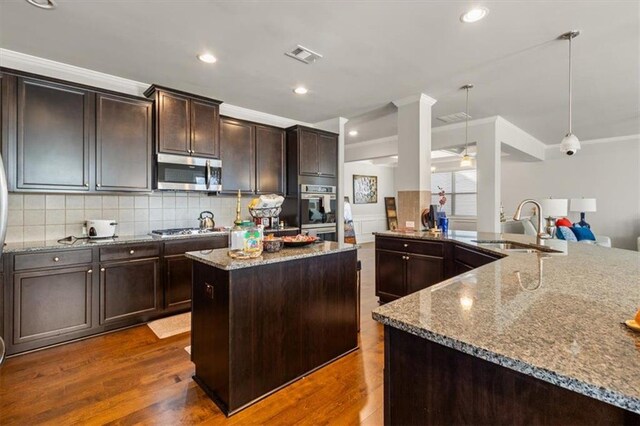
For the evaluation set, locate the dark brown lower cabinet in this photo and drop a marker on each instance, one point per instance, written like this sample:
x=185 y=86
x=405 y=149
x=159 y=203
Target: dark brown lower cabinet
x=390 y=275
x=423 y=271
x=51 y=305
x=129 y=289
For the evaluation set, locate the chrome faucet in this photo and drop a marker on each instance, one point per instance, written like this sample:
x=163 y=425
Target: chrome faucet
x=541 y=234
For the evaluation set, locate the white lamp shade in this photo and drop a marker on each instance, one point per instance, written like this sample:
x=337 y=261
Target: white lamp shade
x=554 y=207
x=583 y=205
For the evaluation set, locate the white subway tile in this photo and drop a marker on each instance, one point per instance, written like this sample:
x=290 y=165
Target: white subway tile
x=34 y=233
x=74 y=202
x=14 y=234
x=16 y=202
x=34 y=202
x=93 y=202
x=141 y=215
x=141 y=228
x=155 y=201
x=15 y=218
x=109 y=201
x=155 y=214
x=182 y=214
x=74 y=217
x=166 y=224
x=155 y=224
x=125 y=215
x=55 y=217
x=168 y=202
x=73 y=229
x=93 y=214
x=142 y=202
x=169 y=214
x=125 y=202
x=55 y=202
x=110 y=214
x=193 y=203
x=33 y=217
x=54 y=232
x=125 y=228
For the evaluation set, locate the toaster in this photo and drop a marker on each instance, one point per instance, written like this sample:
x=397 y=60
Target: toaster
x=101 y=228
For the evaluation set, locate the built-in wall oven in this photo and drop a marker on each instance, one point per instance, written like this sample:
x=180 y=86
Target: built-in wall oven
x=181 y=173
x=318 y=211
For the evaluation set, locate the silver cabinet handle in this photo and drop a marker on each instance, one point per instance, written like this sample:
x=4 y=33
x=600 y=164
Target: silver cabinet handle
x=56 y=259
x=90 y=271
x=407 y=258
x=207 y=173
x=131 y=251
x=101 y=269
x=98 y=185
x=406 y=245
x=86 y=184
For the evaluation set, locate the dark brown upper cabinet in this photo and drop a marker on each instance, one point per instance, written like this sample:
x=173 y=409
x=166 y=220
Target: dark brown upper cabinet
x=237 y=152
x=54 y=135
x=270 y=163
x=186 y=124
x=327 y=154
x=318 y=154
x=124 y=143
x=253 y=157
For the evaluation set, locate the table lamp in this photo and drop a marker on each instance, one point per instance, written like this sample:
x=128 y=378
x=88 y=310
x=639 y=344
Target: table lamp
x=583 y=205
x=553 y=208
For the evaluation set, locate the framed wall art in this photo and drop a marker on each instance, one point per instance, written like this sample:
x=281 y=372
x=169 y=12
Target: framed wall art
x=365 y=189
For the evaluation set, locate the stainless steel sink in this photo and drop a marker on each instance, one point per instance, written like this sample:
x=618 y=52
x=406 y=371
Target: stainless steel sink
x=513 y=246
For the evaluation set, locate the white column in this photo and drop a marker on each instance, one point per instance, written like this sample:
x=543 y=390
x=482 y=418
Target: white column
x=488 y=165
x=413 y=176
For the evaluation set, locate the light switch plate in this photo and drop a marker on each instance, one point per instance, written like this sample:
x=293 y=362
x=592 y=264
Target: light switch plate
x=410 y=224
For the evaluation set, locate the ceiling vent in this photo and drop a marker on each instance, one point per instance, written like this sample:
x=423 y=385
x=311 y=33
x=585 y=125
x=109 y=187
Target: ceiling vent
x=452 y=118
x=303 y=54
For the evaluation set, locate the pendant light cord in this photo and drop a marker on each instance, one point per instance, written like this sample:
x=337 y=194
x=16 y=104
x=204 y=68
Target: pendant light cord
x=466 y=125
x=570 y=84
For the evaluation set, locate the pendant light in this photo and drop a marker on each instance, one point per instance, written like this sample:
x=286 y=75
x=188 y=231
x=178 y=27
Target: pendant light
x=570 y=143
x=466 y=158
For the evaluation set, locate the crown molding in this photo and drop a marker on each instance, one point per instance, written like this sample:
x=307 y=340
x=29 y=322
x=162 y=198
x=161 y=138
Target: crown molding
x=421 y=97
x=476 y=122
x=34 y=64
x=371 y=142
x=635 y=136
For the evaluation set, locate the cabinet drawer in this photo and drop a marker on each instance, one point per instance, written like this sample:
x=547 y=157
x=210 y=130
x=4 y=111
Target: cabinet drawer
x=52 y=259
x=198 y=243
x=130 y=251
x=428 y=248
x=471 y=257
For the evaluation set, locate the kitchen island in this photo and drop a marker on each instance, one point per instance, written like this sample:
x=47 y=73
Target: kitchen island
x=529 y=338
x=260 y=324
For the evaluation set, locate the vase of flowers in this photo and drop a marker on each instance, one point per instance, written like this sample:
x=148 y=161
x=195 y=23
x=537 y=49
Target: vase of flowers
x=443 y=220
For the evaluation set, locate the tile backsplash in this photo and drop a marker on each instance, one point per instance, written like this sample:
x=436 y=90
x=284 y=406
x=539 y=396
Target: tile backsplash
x=39 y=217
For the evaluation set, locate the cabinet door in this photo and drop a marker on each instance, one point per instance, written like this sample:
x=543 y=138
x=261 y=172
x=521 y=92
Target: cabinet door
x=308 y=152
x=205 y=131
x=327 y=155
x=237 y=155
x=174 y=127
x=423 y=271
x=460 y=268
x=123 y=144
x=390 y=275
x=129 y=290
x=178 y=285
x=54 y=136
x=51 y=303
x=269 y=160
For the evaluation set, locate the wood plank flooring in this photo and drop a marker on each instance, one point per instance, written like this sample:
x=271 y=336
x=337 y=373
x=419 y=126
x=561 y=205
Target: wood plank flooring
x=132 y=377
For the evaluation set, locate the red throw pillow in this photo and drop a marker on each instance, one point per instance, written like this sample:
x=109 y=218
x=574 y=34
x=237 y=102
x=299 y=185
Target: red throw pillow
x=563 y=221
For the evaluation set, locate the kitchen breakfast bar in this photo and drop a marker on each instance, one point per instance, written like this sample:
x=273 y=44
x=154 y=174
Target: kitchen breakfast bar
x=260 y=324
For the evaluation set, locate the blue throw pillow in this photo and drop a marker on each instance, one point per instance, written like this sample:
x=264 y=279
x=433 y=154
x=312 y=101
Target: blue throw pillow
x=566 y=233
x=583 y=233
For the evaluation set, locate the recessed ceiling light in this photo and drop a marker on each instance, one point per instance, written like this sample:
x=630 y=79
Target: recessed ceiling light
x=300 y=90
x=474 y=15
x=207 y=58
x=43 y=4
x=353 y=133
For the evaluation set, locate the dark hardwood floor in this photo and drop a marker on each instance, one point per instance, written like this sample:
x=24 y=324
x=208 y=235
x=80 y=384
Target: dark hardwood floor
x=132 y=377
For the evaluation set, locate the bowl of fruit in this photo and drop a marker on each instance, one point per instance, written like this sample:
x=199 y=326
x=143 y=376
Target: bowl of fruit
x=272 y=244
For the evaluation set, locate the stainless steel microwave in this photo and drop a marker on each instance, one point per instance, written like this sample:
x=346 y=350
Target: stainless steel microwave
x=180 y=173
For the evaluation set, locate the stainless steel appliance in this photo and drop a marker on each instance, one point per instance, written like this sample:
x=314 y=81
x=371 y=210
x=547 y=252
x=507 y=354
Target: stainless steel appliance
x=318 y=211
x=180 y=173
x=174 y=232
x=101 y=228
x=4 y=211
x=206 y=220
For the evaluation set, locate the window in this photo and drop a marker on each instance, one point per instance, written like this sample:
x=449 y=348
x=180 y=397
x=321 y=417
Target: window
x=461 y=191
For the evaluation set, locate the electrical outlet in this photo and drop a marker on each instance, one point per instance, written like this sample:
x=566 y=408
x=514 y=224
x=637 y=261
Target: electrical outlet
x=410 y=224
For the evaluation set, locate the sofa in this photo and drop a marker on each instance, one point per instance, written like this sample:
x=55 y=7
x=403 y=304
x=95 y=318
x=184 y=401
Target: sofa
x=528 y=226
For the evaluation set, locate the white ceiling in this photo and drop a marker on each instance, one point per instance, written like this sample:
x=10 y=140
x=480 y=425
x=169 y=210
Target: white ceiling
x=374 y=52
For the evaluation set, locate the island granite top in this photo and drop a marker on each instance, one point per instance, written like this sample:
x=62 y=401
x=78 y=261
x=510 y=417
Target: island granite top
x=219 y=258
x=554 y=316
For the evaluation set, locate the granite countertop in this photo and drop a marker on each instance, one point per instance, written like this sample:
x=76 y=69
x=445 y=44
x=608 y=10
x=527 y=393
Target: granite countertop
x=554 y=316
x=219 y=258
